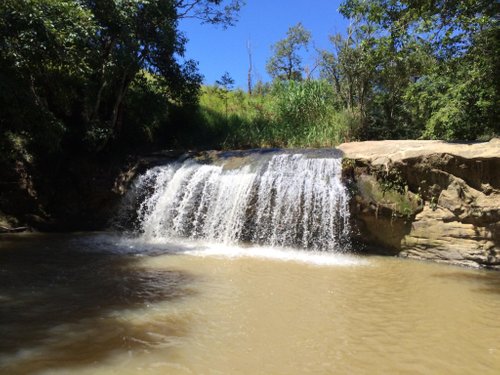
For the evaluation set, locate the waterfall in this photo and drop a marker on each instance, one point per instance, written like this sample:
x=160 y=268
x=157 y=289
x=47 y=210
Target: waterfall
x=283 y=199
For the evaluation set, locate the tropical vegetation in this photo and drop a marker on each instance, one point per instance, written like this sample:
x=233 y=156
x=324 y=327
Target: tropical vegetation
x=85 y=77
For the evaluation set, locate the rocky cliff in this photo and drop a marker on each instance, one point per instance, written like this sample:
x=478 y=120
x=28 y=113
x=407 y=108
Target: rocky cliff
x=427 y=199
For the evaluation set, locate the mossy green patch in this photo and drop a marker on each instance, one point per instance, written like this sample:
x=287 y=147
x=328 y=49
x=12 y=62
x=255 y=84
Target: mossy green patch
x=400 y=201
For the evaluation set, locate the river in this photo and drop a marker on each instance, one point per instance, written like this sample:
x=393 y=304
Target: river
x=101 y=303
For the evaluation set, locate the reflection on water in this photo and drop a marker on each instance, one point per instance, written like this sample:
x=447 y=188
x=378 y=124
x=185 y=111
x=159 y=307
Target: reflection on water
x=61 y=303
x=100 y=305
x=482 y=281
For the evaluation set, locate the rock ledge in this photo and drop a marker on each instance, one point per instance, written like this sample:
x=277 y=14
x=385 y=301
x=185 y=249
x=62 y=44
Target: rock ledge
x=427 y=199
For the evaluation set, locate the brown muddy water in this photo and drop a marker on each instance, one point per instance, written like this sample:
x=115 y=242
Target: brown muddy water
x=100 y=304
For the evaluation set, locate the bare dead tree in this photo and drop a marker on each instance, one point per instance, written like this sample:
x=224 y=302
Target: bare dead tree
x=250 y=67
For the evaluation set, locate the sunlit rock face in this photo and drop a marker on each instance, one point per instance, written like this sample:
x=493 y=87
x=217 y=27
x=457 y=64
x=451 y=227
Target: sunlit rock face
x=428 y=199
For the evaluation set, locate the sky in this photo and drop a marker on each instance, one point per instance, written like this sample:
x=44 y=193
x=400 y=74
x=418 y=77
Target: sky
x=263 y=23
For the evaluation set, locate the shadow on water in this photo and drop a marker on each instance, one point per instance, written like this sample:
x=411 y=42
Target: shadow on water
x=487 y=281
x=60 y=301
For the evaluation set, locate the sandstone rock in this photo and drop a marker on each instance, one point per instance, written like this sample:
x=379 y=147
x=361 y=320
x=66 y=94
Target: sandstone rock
x=459 y=184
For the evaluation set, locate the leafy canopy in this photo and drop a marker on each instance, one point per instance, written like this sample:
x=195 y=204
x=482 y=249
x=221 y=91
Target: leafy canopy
x=69 y=67
x=286 y=63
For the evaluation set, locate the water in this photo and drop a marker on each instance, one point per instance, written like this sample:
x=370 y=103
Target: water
x=102 y=304
x=282 y=199
x=238 y=267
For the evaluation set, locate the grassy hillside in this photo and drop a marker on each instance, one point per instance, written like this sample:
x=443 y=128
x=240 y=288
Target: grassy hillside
x=285 y=115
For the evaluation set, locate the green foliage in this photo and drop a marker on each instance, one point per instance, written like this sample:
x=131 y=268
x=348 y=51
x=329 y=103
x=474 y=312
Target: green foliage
x=300 y=104
x=43 y=59
x=217 y=12
x=350 y=67
x=286 y=63
x=392 y=180
x=460 y=99
x=392 y=195
x=419 y=68
x=245 y=124
x=146 y=110
x=223 y=87
x=448 y=26
x=308 y=115
x=292 y=114
x=225 y=83
x=89 y=76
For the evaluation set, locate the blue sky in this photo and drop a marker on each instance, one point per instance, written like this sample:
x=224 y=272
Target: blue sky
x=263 y=22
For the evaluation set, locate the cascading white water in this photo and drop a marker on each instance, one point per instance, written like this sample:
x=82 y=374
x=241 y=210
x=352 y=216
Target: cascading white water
x=280 y=200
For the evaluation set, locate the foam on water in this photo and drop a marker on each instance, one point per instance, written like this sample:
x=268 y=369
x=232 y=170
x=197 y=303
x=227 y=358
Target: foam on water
x=201 y=248
x=316 y=258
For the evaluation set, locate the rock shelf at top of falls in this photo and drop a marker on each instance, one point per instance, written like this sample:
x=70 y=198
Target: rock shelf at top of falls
x=381 y=152
x=427 y=199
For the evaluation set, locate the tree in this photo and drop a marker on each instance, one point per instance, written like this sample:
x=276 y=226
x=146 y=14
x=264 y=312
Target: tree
x=45 y=61
x=71 y=64
x=250 y=68
x=219 y=12
x=435 y=75
x=138 y=35
x=460 y=99
x=449 y=26
x=286 y=63
x=351 y=67
x=224 y=86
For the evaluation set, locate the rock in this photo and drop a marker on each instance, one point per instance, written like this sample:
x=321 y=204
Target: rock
x=4 y=229
x=456 y=186
x=383 y=152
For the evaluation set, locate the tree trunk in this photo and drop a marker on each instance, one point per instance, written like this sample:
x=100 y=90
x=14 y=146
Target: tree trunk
x=250 y=68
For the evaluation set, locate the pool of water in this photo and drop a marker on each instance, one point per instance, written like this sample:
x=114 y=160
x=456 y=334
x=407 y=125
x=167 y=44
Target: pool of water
x=102 y=304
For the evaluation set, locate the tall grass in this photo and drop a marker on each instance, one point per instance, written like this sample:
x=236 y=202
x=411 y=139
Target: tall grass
x=293 y=114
